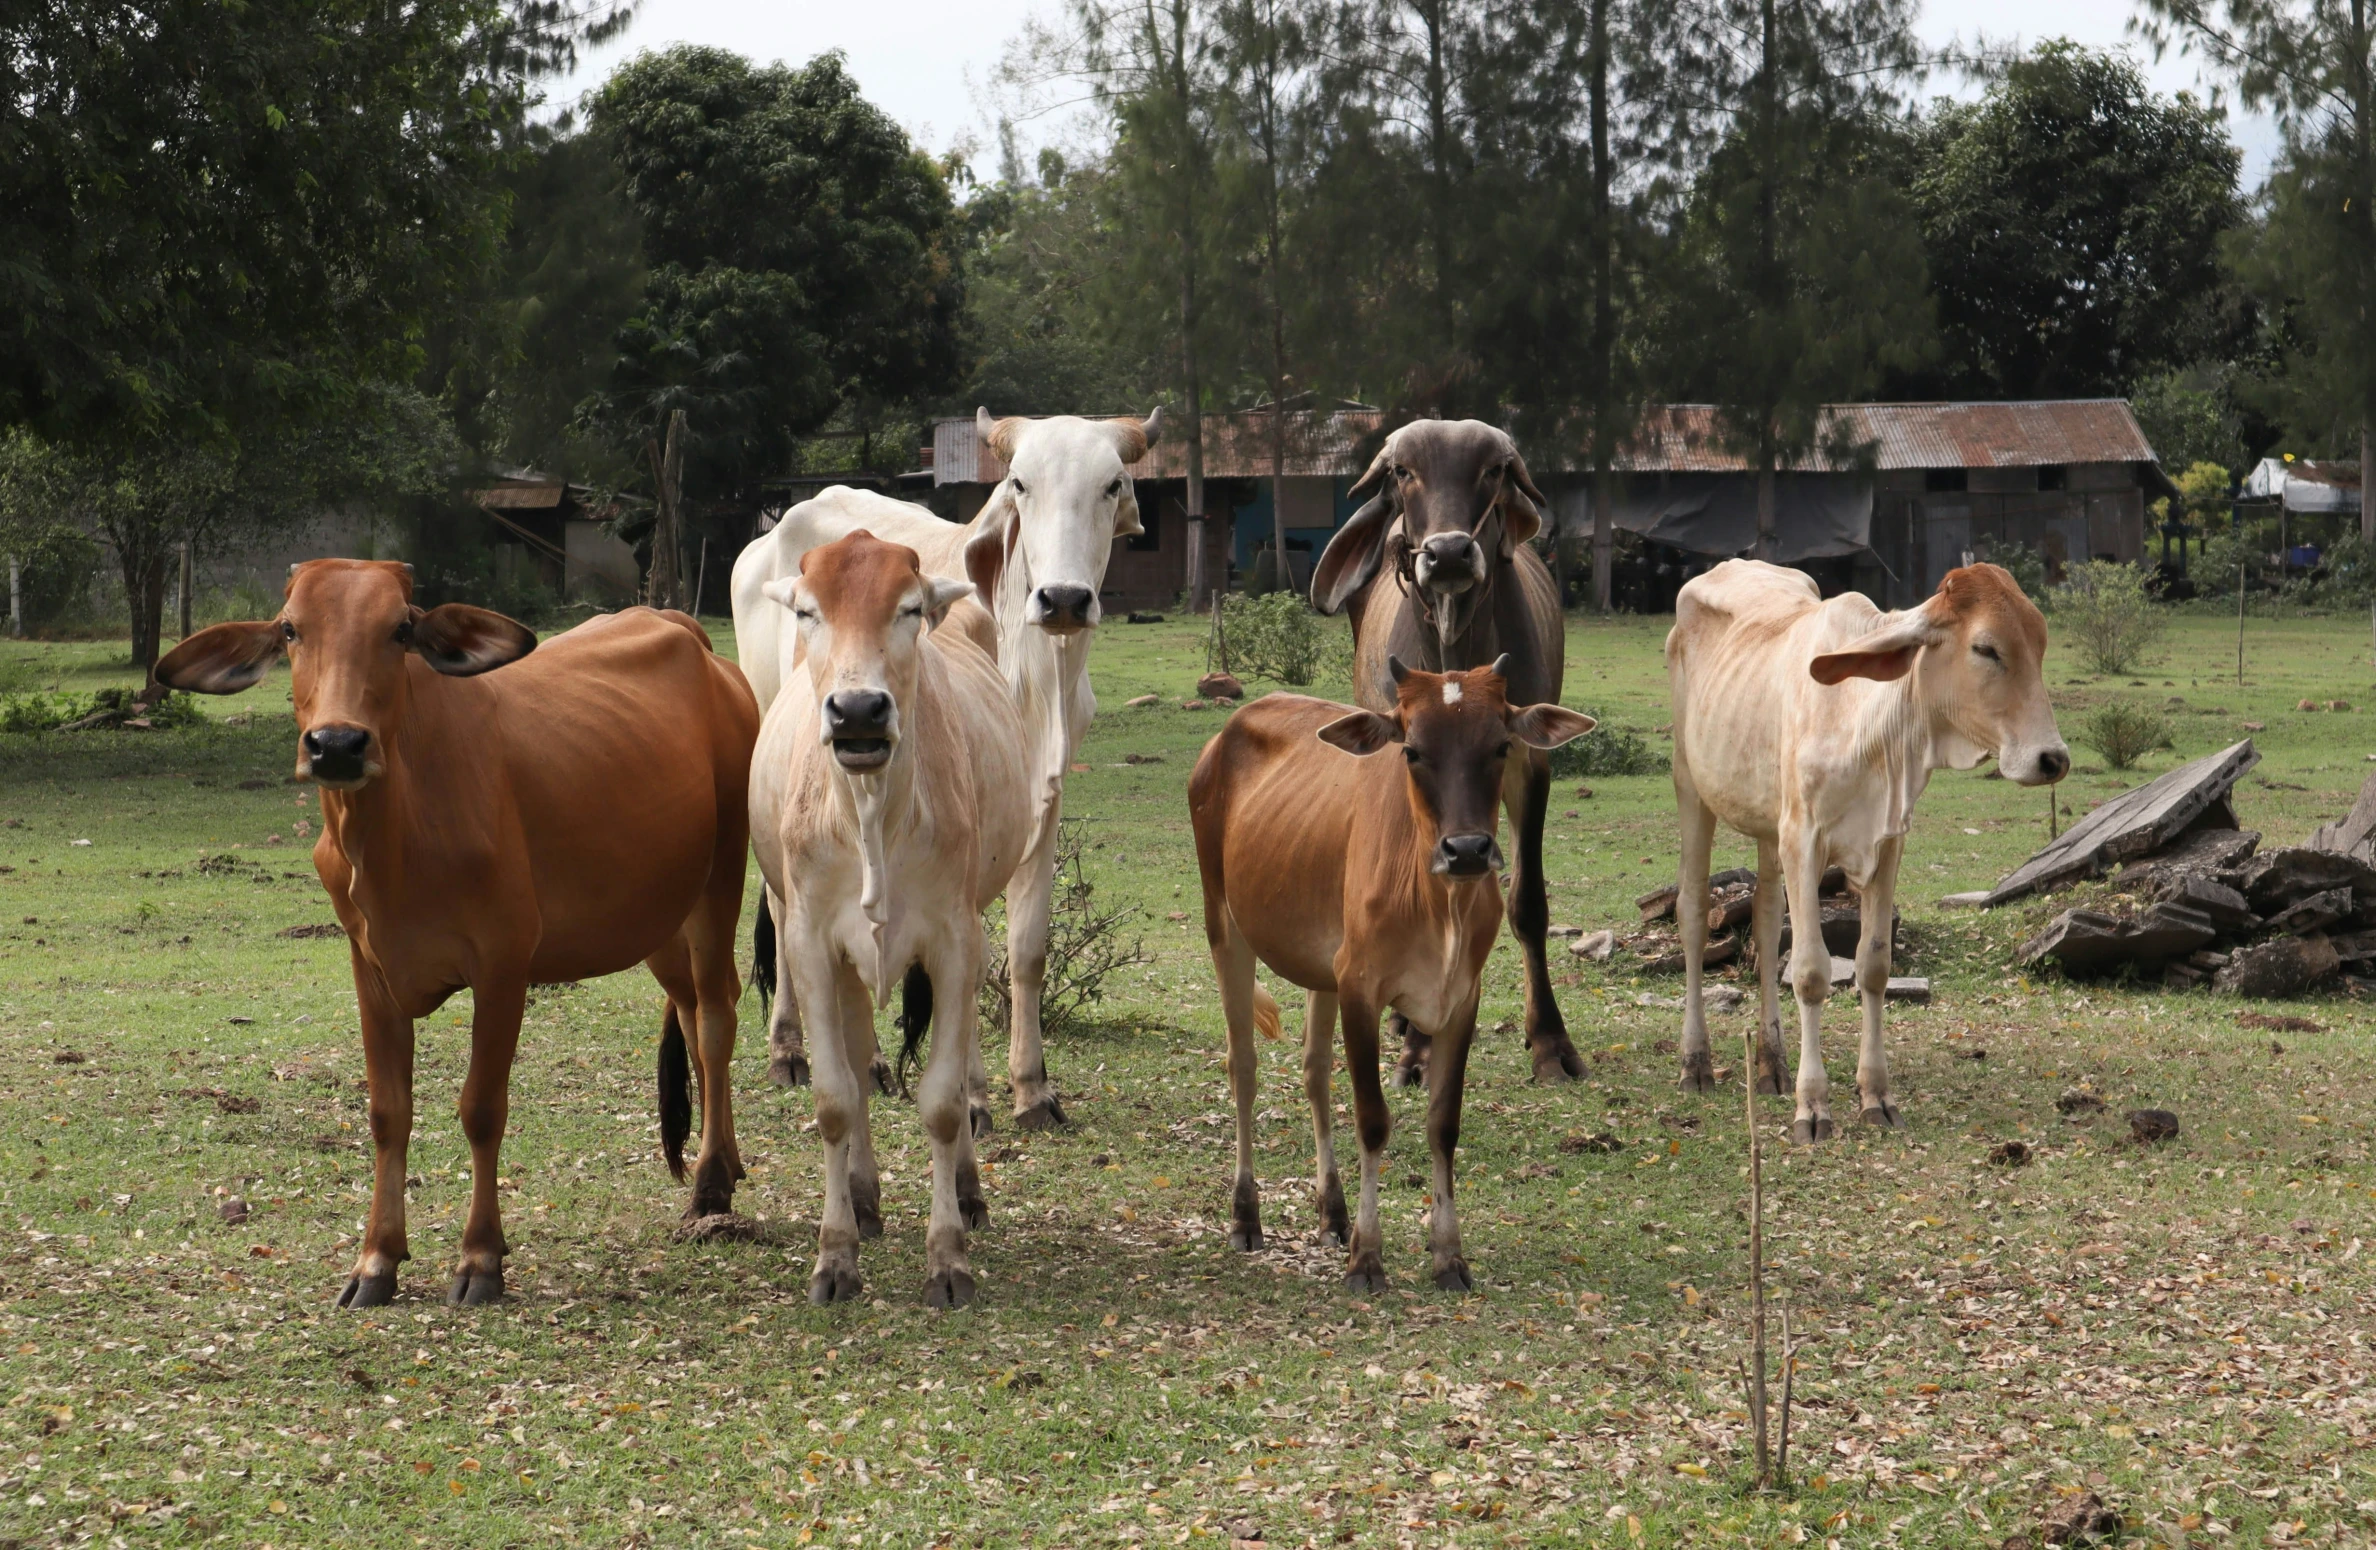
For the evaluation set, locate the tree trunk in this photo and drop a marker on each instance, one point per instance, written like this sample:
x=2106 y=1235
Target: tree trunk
x=2367 y=507
x=187 y=567
x=1604 y=328
x=1765 y=509
x=144 y=591
x=1439 y=155
x=1604 y=537
x=663 y=585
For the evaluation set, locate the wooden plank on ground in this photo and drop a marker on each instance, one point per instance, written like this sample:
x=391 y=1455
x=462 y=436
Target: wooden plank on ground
x=2135 y=823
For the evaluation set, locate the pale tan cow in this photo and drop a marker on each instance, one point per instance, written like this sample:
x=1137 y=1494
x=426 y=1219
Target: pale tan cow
x=1812 y=727
x=1037 y=555
x=890 y=803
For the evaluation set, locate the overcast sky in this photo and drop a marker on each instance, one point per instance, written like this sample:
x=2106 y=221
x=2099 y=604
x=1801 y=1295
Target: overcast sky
x=927 y=62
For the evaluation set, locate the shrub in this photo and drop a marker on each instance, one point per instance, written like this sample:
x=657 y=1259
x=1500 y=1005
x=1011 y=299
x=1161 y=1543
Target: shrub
x=2027 y=565
x=1278 y=637
x=1608 y=749
x=49 y=712
x=2124 y=733
x=1085 y=948
x=2102 y=610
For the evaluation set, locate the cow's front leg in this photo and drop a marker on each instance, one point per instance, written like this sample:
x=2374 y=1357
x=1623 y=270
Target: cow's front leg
x=1410 y=1068
x=1698 y=826
x=956 y=973
x=1445 y=1086
x=787 y=1050
x=388 y=1067
x=1877 y=904
x=839 y=1006
x=1365 y=1263
x=1810 y=979
x=497 y=1004
x=1526 y=792
x=1765 y=938
x=1028 y=899
x=1233 y=971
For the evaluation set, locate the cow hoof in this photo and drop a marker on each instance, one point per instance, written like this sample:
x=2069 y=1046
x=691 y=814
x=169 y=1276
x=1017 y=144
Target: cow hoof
x=1333 y=1228
x=973 y=1211
x=1769 y=1082
x=881 y=1073
x=834 y=1283
x=368 y=1291
x=870 y=1219
x=1883 y=1114
x=1558 y=1063
x=1455 y=1277
x=949 y=1289
x=981 y=1121
x=1411 y=1070
x=710 y=1202
x=474 y=1290
x=1245 y=1237
x=789 y=1071
x=1367 y=1277
x=1699 y=1073
x=1806 y=1132
x=1046 y=1114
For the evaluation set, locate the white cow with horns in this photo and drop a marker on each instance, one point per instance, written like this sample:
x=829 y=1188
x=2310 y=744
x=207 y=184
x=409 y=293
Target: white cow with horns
x=1036 y=555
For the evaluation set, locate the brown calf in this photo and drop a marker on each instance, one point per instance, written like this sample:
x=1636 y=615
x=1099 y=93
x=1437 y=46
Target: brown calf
x=1370 y=883
x=571 y=816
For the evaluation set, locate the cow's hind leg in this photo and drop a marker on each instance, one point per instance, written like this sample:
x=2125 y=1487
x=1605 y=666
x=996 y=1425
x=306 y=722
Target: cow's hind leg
x=1810 y=979
x=698 y=972
x=1691 y=916
x=1877 y=903
x=1410 y=1070
x=1765 y=937
x=1526 y=792
x=1319 y=1061
x=1233 y=968
x=1445 y=1087
x=787 y=1051
x=388 y=1063
x=1029 y=897
x=1365 y=1263
x=486 y=1106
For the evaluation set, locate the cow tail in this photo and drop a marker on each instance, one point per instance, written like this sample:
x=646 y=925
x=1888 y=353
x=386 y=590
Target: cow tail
x=763 y=953
x=915 y=1019
x=676 y=1099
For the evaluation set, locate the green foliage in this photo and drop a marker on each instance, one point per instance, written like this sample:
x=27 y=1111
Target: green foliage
x=2027 y=565
x=2102 y=611
x=804 y=257
x=2124 y=733
x=2190 y=418
x=1086 y=949
x=2072 y=218
x=1278 y=637
x=39 y=712
x=1608 y=749
x=1034 y=254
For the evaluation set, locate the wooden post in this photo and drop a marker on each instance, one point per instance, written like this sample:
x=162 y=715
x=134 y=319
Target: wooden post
x=700 y=574
x=1757 y=1316
x=186 y=577
x=16 y=598
x=664 y=584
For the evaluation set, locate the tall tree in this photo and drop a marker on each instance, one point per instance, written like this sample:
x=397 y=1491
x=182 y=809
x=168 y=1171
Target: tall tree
x=2073 y=219
x=1799 y=278
x=803 y=257
x=2311 y=64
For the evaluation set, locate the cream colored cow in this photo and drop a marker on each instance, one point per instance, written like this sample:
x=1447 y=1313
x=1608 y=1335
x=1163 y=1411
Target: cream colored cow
x=890 y=803
x=1037 y=556
x=1812 y=727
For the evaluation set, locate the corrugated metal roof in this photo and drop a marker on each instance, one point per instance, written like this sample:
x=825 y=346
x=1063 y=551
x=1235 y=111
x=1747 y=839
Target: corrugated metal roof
x=1674 y=438
x=1689 y=438
x=1236 y=446
x=523 y=495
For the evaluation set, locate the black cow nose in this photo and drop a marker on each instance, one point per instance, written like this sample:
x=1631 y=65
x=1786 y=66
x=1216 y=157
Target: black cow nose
x=1065 y=603
x=860 y=712
x=1450 y=548
x=1465 y=855
x=2055 y=763
x=336 y=752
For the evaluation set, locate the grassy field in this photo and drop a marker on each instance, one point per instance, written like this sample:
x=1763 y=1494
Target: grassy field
x=2185 y=1330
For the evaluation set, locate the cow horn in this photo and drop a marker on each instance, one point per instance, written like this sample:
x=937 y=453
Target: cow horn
x=1501 y=666
x=1153 y=424
x=1395 y=668
x=293 y=564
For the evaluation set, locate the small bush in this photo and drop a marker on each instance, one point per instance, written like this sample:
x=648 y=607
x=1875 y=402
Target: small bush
x=2103 y=611
x=1085 y=948
x=1608 y=749
x=49 y=712
x=2124 y=733
x=2027 y=565
x=1278 y=637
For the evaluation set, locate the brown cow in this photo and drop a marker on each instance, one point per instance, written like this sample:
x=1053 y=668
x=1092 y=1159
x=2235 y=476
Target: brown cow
x=1436 y=570
x=578 y=813
x=1370 y=883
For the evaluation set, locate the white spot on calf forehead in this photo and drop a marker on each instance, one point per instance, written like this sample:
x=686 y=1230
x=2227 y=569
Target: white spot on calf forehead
x=1451 y=691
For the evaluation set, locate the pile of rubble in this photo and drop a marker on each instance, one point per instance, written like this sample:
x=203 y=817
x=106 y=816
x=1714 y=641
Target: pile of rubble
x=2200 y=901
x=1731 y=896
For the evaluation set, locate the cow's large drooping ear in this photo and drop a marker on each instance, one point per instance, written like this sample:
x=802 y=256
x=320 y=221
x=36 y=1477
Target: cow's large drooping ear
x=1351 y=560
x=993 y=541
x=1362 y=733
x=461 y=641
x=942 y=595
x=222 y=658
x=1548 y=726
x=1883 y=655
x=780 y=590
x=1521 y=502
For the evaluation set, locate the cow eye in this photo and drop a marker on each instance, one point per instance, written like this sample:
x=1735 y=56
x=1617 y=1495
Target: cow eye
x=1988 y=652
x=404 y=633
x=1116 y=487
x=288 y=631
x=1503 y=752
x=912 y=611
x=1410 y=754
x=1021 y=488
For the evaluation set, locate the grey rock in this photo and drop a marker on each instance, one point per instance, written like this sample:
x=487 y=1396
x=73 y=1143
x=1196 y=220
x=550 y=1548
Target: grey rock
x=2285 y=967
x=2313 y=913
